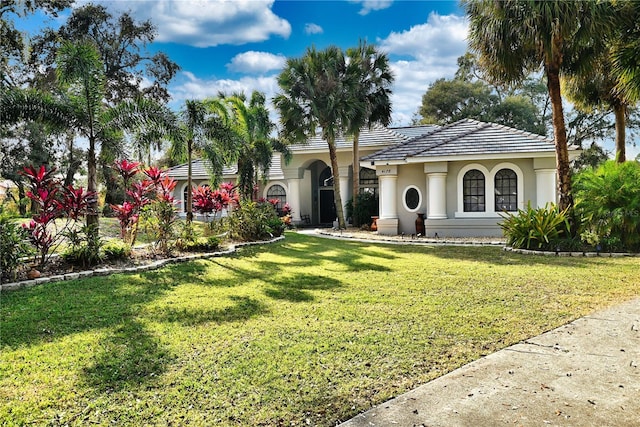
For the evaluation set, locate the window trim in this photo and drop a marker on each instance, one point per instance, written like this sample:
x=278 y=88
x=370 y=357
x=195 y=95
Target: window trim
x=404 y=198
x=489 y=181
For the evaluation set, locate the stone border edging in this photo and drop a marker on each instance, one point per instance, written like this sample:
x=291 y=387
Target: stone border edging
x=12 y=286
x=409 y=240
x=574 y=254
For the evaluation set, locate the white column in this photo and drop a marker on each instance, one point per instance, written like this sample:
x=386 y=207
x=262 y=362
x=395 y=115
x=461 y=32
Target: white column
x=437 y=195
x=388 y=203
x=344 y=188
x=545 y=187
x=293 y=198
x=388 y=196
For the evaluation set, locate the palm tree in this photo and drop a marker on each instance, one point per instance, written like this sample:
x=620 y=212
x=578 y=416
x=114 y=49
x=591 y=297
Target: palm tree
x=255 y=147
x=203 y=128
x=599 y=89
x=627 y=49
x=514 y=38
x=372 y=72
x=317 y=91
x=81 y=109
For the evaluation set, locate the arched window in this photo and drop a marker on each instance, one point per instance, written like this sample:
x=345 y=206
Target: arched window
x=276 y=191
x=368 y=181
x=326 y=178
x=473 y=196
x=506 y=190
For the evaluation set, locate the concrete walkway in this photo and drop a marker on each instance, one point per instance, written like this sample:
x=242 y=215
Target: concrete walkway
x=586 y=373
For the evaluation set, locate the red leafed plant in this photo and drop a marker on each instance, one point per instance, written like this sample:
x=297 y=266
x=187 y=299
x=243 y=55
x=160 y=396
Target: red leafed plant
x=138 y=195
x=208 y=201
x=52 y=201
x=151 y=198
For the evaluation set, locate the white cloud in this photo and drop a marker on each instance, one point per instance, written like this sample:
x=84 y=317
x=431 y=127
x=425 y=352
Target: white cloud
x=369 y=5
x=253 y=62
x=208 y=23
x=192 y=87
x=427 y=52
x=311 y=28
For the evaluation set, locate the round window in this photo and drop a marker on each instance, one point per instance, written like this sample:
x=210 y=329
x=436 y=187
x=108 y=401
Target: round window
x=412 y=198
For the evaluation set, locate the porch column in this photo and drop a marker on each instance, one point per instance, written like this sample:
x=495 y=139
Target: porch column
x=436 y=190
x=388 y=203
x=545 y=187
x=293 y=198
x=293 y=177
x=437 y=195
x=344 y=188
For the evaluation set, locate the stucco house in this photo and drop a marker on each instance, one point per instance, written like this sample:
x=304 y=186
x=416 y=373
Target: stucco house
x=460 y=177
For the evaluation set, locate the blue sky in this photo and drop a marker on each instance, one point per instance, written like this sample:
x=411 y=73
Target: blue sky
x=241 y=45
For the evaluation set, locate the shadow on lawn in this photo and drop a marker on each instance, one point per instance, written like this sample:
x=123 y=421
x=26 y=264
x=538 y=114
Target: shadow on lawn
x=128 y=357
x=295 y=289
x=243 y=308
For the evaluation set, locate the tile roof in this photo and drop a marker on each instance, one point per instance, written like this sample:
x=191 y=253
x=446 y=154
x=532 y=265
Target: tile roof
x=377 y=136
x=464 y=138
x=199 y=169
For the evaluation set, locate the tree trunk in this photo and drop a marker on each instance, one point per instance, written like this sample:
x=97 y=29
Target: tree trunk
x=92 y=187
x=189 y=183
x=560 y=137
x=356 y=177
x=337 y=197
x=620 y=111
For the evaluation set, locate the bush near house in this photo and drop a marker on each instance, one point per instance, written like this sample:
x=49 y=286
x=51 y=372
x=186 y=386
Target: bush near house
x=608 y=203
x=537 y=228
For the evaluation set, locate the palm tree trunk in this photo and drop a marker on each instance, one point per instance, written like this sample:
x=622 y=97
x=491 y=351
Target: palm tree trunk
x=560 y=137
x=356 y=177
x=337 y=197
x=189 y=182
x=620 y=111
x=92 y=187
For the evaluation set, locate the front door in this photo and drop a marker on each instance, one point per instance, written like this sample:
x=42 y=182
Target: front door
x=327 y=206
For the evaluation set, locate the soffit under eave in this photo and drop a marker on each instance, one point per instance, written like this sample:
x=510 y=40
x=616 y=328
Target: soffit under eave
x=477 y=157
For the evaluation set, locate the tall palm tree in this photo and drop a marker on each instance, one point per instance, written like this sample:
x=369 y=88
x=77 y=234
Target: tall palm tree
x=374 y=79
x=317 y=92
x=255 y=146
x=626 y=51
x=81 y=109
x=600 y=89
x=514 y=38
x=203 y=129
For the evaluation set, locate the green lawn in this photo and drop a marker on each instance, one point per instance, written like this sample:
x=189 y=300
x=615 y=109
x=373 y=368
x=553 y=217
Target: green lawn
x=304 y=331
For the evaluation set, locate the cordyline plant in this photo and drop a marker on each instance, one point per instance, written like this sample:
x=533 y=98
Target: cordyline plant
x=160 y=213
x=207 y=201
x=52 y=201
x=128 y=213
x=151 y=197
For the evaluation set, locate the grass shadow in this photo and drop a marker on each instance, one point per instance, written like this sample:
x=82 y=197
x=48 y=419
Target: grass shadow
x=130 y=357
x=243 y=308
x=297 y=288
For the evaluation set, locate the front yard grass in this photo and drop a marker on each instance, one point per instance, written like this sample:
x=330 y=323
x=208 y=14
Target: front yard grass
x=307 y=331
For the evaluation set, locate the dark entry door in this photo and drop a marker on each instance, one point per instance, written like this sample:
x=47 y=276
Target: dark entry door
x=327 y=206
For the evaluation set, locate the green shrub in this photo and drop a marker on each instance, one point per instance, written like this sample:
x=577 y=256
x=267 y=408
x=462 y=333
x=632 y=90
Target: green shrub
x=608 y=203
x=115 y=250
x=84 y=247
x=255 y=221
x=366 y=207
x=210 y=243
x=14 y=245
x=541 y=228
